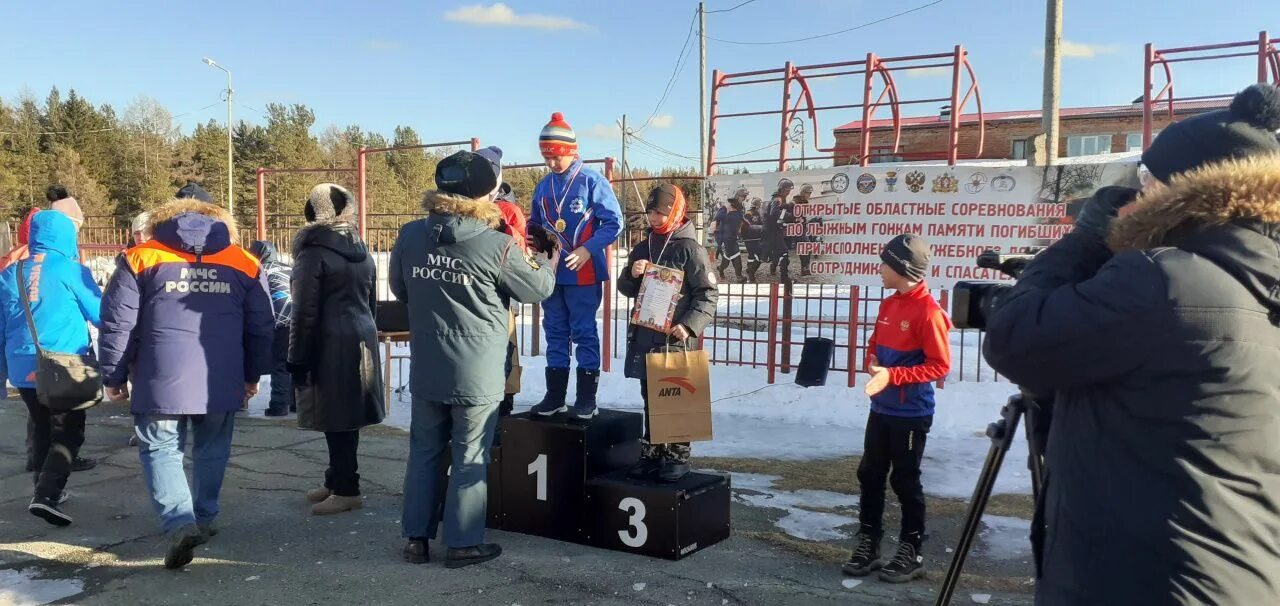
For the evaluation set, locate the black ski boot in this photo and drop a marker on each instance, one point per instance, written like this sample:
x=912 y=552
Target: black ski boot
x=737 y=267
x=584 y=407
x=557 y=389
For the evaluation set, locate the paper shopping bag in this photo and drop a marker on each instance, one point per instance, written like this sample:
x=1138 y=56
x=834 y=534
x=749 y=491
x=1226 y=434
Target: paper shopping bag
x=679 y=396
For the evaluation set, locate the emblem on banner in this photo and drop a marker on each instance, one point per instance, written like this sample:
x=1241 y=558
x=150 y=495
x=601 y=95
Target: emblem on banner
x=866 y=183
x=891 y=181
x=1003 y=183
x=977 y=181
x=840 y=183
x=915 y=181
x=946 y=183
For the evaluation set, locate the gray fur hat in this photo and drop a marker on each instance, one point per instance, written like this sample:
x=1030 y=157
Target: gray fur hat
x=327 y=201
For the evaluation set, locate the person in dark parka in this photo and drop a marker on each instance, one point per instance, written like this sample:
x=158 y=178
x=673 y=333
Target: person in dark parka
x=1160 y=338
x=279 y=279
x=333 y=341
x=671 y=242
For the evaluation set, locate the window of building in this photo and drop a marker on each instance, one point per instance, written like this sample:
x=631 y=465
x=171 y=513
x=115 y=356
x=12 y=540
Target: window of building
x=1133 y=141
x=1019 y=149
x=1088 y=145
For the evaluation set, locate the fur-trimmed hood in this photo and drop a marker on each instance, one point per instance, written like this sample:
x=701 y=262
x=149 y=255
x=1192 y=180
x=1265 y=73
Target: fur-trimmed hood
x=193 y=226
x=1244 y=190
x=480 y=209
x=1228 y=213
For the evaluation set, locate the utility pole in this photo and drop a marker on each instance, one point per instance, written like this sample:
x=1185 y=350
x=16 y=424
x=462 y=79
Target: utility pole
x=698 y=219
x=626 y=172
x=1048 y=150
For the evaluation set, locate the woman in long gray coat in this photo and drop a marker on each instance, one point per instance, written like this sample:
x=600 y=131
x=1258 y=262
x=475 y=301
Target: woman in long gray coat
x=333 y=341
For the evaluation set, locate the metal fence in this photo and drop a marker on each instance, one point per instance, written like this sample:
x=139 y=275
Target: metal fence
x=756 y=325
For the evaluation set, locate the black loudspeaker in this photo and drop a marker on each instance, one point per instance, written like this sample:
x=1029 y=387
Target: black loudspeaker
x=392 y=316
x=815 y=361
x=668 y=521
x=546 y=462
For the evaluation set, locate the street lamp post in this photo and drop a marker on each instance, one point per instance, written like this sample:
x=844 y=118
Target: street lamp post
x=231 y=205
x=797 y=136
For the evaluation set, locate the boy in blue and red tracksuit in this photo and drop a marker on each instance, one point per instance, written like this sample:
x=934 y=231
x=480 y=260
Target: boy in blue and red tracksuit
x=577 y=205
x=907 y=352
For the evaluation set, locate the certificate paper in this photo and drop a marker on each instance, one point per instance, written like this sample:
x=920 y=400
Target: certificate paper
x=656 y=303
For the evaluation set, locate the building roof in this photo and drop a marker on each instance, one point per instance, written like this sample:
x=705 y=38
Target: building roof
x=1033 y=115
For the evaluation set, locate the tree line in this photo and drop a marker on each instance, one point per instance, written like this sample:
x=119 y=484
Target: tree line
x=117 y=164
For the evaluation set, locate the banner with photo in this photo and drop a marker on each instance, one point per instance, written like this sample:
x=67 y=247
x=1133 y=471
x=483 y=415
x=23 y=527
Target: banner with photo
x=827 y=226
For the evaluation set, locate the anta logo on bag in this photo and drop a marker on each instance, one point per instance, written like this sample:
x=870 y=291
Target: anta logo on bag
x=681 y=384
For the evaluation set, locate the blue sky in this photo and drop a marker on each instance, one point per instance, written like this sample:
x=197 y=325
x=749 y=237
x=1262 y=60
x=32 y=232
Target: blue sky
x=454 y=69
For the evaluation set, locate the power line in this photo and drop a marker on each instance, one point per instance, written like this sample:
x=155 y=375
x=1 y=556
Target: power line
x=681 y=59
x=729 y=10
x=660 y=148
x=827 y=35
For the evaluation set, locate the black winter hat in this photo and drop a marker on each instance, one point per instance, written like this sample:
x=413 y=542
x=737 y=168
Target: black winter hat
x=193 y=191
x=326 y=201
x=470 y=174
x=908 y=255
x=1246 y=128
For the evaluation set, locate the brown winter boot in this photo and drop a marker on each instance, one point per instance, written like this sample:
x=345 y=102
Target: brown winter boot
x=336 y=504
x=316 y=495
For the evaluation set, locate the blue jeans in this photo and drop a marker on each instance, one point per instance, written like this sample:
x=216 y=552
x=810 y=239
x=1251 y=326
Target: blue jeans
x=160 y=443
x=569 y=316
x=468 y=431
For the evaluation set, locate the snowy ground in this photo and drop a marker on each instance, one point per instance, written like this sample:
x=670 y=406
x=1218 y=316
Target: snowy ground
x=26 y=588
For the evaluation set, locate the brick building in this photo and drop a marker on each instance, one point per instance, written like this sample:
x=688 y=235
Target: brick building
x=1084 y=131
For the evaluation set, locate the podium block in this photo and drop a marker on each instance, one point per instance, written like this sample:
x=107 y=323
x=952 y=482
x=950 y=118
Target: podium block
x=670 y=521
x=546 y=462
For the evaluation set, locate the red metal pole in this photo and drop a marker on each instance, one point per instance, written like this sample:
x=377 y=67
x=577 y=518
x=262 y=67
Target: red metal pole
x=771 y=355
x=262 y=204
x=1263 y=43
x=361 y=193
x=865 y=152
x=1148 y=56
x=953 y=128
x=786 y=127
x=716 y=79
x=853 y=336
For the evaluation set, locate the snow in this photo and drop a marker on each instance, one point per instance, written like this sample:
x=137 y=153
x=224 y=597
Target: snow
x=24 y=588
x=1004 y=538
x=980 y=598
x=799 y=520
x=850 y=583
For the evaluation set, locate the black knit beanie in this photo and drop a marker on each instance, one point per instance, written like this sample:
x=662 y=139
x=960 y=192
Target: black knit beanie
x=1246 y=128
x=908 y=256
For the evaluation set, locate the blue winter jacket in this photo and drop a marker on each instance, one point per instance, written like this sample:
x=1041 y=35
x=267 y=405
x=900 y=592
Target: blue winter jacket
x=186 y=316
x=62 y=294
x=591 y=216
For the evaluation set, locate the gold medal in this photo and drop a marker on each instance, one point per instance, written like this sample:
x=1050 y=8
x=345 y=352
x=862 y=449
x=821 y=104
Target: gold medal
x=560 y=225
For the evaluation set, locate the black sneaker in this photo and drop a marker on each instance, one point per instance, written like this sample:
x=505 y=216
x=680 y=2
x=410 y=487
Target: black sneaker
x=672 y=471
x=82 y=464
x=276 y=412
x=466 y=556
x=208 y=530
x=415 y=552
x=47 y=510
x=182 y=546
x=865 y=557
x=906 y=565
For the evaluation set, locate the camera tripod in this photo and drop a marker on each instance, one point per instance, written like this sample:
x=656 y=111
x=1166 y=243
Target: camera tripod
x=1002 y=434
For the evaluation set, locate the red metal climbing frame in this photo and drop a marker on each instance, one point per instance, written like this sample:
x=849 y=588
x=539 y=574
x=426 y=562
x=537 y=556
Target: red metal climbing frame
x=875 y=71
x=1264 y=49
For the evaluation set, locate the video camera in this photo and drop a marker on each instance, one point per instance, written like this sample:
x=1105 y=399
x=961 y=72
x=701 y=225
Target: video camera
x=972 y=302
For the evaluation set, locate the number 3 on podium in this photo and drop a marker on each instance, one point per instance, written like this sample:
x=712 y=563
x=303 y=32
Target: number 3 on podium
x=635 y=508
